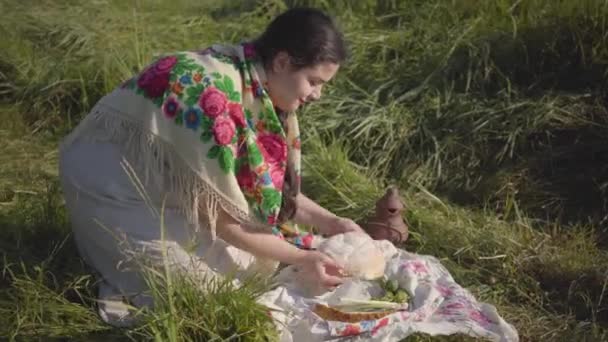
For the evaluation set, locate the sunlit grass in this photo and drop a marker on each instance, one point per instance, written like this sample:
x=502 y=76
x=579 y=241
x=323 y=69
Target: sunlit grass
x=489 y=115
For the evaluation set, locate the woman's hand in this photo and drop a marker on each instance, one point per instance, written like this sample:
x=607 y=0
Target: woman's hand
x=316 y=268
x=339 y=225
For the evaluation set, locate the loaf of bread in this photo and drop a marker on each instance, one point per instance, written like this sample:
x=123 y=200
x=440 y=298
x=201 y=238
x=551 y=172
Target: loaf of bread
x=358 y=253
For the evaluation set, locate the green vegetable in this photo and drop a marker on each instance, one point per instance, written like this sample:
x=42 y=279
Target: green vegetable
x=392 y=292
x=388 y=297
x=392 y=285
x=402 y=296
x=350 y=304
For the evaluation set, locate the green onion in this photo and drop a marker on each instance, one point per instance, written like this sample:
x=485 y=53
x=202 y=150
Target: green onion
x=351 y=304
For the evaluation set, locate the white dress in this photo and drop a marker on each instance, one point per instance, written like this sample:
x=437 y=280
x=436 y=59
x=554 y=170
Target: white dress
x=114 y=226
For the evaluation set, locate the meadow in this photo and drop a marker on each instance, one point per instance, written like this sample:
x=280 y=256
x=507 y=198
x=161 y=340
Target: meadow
x=491 y=116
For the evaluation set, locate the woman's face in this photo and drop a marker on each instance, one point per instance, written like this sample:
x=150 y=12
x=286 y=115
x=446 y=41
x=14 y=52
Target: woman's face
x=289 y=88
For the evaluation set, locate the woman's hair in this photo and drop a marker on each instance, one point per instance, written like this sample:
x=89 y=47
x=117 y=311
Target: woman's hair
x=307 y=35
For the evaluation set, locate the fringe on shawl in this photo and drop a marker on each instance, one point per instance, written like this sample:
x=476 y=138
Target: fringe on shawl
x=153 y=157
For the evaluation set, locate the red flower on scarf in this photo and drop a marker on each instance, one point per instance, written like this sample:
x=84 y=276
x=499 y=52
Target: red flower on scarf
x=236 y=113
x=223 y=130
x=155 y=80
x=213 y=102
x=245 y=178
x=272 y=220
x=275 y=147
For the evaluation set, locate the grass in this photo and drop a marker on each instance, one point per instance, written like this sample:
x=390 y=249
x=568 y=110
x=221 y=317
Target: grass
x=490 y=116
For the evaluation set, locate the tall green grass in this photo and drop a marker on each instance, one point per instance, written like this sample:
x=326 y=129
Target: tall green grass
x=488 y=102
x=490 y=115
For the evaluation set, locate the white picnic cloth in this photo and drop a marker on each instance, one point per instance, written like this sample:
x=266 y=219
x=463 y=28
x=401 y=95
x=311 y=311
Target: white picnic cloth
x=439 y=306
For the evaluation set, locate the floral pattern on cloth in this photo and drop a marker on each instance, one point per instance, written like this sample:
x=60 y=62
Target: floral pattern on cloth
x=253 y=146
x=438 y=306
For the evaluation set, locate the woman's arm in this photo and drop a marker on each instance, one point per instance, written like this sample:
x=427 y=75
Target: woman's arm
x=316 y=267
x=311 y=214
x=255 y=242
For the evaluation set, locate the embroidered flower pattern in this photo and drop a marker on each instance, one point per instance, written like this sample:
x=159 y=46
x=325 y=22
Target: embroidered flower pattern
x=213 y=102
x=417 y=267
x=209 y=104
x=223 y=130
x=154 y=81
x=171 y=108
x=370 y=326
x=192 y=118
x=235 y=111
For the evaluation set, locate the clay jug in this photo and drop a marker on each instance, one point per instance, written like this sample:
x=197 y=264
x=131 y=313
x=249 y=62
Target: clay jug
x=387 y=223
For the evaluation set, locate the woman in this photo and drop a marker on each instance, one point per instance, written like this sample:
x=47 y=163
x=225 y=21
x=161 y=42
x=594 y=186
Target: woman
x=208 y=142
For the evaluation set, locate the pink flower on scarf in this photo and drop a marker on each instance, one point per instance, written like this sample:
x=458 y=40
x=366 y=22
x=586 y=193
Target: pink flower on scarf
x=277 y=174
x=275 y=147
x=245 y=178
x=164 y=65
x=236 y=113
x=155 y=80
x=223 y=130
x=213 y=102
